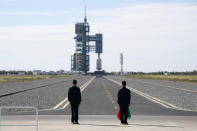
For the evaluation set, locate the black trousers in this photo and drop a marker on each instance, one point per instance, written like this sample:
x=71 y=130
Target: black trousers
x=123 y=113
x=74 y=110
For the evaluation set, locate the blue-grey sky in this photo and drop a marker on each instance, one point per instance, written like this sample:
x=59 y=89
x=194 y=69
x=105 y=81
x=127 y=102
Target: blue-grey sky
x=154 y=35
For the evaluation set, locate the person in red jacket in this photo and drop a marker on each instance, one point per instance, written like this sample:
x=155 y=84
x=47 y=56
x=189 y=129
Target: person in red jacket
x=124 y=97
x=74 y=97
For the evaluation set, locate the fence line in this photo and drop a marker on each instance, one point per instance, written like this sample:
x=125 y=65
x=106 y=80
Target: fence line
x=19 y=107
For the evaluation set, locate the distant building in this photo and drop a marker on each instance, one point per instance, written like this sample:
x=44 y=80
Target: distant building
x=53 y=73
x=166 y=73
x=21 y=73
x=37 y=72
x=45 y=73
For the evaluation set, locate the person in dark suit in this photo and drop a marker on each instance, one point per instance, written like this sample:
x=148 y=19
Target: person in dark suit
x=124 y=97
x=74 y=97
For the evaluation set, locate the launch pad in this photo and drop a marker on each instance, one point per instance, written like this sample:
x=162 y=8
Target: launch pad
x=86 y=43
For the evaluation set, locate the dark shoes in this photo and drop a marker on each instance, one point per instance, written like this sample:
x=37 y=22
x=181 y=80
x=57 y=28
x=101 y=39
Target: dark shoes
x=74 y=122
x=124 y=123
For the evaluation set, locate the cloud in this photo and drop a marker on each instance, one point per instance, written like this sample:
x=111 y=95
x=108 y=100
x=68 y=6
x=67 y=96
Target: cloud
x=36 y=32
x=36 y=47
x=28 y=13
x=152 y=37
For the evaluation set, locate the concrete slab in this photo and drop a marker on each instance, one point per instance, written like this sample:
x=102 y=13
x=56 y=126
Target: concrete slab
x=101 y=123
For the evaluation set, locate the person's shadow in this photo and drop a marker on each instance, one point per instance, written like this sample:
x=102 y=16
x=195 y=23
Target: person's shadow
x=130 y=125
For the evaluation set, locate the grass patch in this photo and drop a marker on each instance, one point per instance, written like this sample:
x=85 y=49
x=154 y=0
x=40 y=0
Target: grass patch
x=16 y=78
x=182 y=78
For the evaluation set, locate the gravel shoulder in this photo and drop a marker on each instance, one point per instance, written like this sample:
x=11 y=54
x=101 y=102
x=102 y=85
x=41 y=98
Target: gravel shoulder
x=43 y=98
x=179 y=98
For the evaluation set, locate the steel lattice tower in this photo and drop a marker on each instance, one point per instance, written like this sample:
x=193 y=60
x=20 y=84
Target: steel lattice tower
x=81 y=59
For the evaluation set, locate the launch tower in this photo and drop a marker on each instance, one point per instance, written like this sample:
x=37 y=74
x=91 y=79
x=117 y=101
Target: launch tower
x=86 y=43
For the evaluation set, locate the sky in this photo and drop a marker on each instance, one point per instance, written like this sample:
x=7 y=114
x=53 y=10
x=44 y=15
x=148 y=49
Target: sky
x=153 y=35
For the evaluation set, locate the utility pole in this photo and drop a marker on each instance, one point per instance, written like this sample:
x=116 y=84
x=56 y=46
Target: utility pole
x=121 y=63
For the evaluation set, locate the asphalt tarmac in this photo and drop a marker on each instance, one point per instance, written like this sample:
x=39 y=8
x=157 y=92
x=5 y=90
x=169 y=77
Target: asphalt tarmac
x=99 y=97
x=97 y=110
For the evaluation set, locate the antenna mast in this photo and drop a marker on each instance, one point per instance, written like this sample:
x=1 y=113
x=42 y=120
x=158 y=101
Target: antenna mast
x=85 y=18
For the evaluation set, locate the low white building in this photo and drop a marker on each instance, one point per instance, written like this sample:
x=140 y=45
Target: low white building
x=21 y=73
x=37 y=72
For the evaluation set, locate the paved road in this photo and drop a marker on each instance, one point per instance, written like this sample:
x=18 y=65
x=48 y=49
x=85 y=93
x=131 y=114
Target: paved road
x=103 y=123
x=182 y=95
x=99 y=97
x=42 y=93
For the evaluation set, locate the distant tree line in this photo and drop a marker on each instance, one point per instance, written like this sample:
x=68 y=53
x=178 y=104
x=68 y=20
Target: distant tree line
x=13 y=72
x=3 y=72
x=165 y=73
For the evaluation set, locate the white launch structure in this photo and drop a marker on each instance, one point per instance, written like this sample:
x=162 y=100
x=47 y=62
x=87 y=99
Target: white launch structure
x=99 y=63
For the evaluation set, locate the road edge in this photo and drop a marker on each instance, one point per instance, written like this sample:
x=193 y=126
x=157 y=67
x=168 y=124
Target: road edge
x=156 y=100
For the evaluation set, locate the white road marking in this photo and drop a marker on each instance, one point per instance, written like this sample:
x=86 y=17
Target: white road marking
x=156 y=100
x=64 y=103
x=109 y=94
